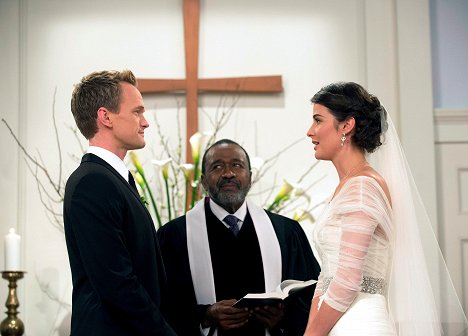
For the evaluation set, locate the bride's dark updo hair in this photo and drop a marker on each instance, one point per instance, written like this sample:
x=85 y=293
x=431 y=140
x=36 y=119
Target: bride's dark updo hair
x=348 y=99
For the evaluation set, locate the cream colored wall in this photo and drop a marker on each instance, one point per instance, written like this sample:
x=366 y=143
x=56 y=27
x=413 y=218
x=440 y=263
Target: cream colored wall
x=415 y=96
x=51 y=44
x=11 y=175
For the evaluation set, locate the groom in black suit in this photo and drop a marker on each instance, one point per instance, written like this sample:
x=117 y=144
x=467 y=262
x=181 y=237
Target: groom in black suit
x=119 y=282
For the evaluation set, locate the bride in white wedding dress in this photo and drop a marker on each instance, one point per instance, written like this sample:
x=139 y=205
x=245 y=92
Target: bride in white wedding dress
x=374 y=280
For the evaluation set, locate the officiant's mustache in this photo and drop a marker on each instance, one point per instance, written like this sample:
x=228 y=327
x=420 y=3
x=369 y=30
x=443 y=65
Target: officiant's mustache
x=229 y=180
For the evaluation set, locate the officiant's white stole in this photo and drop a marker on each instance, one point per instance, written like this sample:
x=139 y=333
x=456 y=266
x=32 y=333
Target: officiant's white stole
x=200 y=258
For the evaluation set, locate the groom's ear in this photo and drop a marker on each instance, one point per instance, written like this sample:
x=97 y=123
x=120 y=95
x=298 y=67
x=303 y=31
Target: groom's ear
x=104 y=117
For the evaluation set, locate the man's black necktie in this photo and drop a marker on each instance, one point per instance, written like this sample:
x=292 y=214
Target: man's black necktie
x=131 y=181
x=232 y=220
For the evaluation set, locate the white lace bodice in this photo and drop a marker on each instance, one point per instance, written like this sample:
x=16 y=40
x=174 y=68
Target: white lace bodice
x=352 y=237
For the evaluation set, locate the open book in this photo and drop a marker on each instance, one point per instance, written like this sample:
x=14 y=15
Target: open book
x=286 y=288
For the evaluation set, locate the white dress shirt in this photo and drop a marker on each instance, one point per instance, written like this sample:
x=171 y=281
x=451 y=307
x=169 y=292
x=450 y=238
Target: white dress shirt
x=221 y=213
x=111 y=159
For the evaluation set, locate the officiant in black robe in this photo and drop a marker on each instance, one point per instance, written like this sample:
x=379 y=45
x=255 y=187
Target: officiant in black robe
x=213 y=259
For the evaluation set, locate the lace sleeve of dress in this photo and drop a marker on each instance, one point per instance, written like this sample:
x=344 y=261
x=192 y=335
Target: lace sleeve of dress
x=319 y=286
x=359 y=205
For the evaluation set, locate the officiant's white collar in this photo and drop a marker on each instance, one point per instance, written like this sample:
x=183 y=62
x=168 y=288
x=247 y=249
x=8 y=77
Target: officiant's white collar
x=221 y=213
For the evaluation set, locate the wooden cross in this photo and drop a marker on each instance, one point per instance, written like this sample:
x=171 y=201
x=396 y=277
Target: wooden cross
x=192 y=85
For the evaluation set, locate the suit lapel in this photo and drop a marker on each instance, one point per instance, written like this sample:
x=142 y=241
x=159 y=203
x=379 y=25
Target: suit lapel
x=96 y=159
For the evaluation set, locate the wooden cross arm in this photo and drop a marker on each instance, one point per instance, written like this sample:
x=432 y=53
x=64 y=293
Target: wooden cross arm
x=242 y=84
x=233 y=84
x=160 y=85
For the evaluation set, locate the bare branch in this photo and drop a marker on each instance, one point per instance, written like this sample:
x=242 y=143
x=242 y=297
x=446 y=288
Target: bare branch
x=23 y=149
x=307 y=172
x=45 y=288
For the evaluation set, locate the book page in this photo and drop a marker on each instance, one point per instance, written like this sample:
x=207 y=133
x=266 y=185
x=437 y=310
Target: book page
x=289 y=286
x=282 y=292
x=265 y=295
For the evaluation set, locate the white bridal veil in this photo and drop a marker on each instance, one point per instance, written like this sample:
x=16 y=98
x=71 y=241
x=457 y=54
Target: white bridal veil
x=422 y=299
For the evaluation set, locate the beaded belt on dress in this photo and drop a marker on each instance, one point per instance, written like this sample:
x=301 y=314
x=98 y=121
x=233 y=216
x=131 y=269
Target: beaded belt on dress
x=369 y=285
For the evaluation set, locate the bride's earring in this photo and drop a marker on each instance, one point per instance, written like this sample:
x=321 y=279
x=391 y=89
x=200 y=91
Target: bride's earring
x=343 y=139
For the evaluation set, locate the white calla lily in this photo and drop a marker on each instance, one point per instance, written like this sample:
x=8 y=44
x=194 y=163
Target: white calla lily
x=136 y=162
x=164 y=165
x=301 y=215
x=187 y=169
x=285 y=190
x=196 y=142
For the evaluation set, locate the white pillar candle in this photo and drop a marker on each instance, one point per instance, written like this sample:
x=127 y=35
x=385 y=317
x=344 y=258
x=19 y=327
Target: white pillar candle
x=12 y=251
